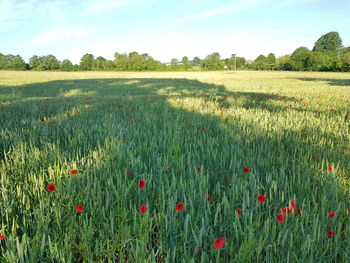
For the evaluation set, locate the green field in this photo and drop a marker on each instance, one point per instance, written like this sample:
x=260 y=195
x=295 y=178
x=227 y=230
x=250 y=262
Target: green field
x=186 y=134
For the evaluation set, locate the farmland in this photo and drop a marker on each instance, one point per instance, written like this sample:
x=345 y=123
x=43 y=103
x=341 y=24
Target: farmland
x=195 y=148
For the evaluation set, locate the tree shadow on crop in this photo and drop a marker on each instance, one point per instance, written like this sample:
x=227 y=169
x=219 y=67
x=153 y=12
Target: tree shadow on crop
x=332 y=82
x=144 y=126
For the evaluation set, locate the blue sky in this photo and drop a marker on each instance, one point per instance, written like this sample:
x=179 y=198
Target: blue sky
x=165 y=28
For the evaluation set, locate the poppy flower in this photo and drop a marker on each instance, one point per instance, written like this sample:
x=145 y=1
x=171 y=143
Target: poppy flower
x=180 y=206
x=304 y=134
x=79 y=208
x=287 y=210
x=73 y=172
x=198 y=250
x=198 y=169
x=123 y=141
x=261 y=198
x=238 y=211
x=246 y=170
x=331 y=233
x=204 y=129
x=299 y=211
x=280 y=218
x=131 y=121
x=330 y=168
x=219 y=243
x=141 y=184
x=143 y=209
x=51 y=187
x=168 y=169
x=208 y=196
x=2 y=237
x=293 y=204
x=128 y=172
x=348 y=210
x=331 y=214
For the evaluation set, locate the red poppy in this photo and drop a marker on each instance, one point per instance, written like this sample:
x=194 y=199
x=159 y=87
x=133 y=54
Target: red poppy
x=293 y=204
x=128 y=172
x=180 y=206
x=168 y=169
x=280 y=218
x=73 y=172
x=198 y=169
x=331 y=233
x=348 y=210
x=208 y=196
x=330 y=168
x=2 y=237
x=131 y=121
x=198 y=250
x=79 y=208
x=141 y=184
x=331 y=214
x=238 y=211
x=304 y=134
x=204 y=129
x=143 y=209
x=2 y=107
x=299 y=211
x=261 y=198
x=124 y=141
x=246 y=170
x=219 y=243
x=51 y=187
x=287 y=210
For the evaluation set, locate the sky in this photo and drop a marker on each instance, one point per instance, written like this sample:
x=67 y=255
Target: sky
x=167 y=29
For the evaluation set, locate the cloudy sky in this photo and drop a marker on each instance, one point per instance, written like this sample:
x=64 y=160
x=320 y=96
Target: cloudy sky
x=167 y=28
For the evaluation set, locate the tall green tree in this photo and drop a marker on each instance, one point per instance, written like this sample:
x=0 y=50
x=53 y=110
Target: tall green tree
x=87 y=62
x=213 y=62
x=299 y=58
x=67 y=65
x=328 y=42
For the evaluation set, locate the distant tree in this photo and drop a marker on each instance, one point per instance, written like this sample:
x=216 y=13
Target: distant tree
x=299 y=58
x=100 y=63
x=67 y=65
x=260 y=63
x=328 y=42
x=318 y=61
x=345 y=60
x=283 y=63
x=196 y=61
x=213 y=62
x=87 y=62
x=51 y=62
x=240 y=62
x=11 y=62
x=185 y=63
x=120 y=61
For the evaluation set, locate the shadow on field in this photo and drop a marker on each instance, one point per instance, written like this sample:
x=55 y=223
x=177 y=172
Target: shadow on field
x=83 y=118
x=332 y=82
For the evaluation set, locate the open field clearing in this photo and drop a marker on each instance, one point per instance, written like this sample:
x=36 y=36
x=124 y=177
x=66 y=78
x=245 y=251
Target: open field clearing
x=174 y=167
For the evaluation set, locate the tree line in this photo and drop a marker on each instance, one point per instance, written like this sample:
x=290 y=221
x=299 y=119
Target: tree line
x=328 y=54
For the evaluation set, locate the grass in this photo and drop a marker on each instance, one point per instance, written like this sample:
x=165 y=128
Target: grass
x=115 y=129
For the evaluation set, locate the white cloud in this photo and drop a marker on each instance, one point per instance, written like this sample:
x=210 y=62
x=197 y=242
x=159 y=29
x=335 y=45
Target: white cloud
x=59 y=33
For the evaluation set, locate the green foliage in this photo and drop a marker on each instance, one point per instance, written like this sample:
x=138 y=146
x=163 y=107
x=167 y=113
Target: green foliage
x=48 y=62
x=328 y=42
x=87 y=62
x=67 y=65
x=213 y=62
x=11 y=62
